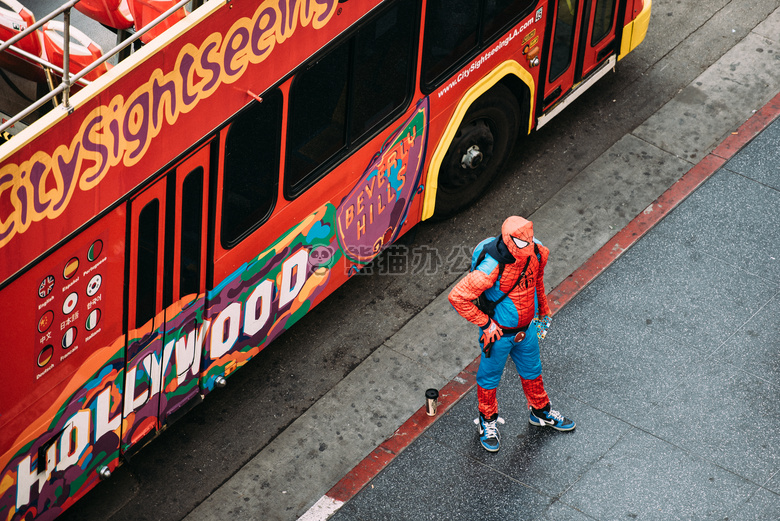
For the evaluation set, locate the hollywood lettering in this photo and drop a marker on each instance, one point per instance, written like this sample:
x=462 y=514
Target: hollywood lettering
x=121 y=131
x=103 y=414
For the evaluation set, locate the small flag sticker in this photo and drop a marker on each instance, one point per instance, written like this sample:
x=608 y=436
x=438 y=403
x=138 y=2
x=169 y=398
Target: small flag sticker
x=45 y=355
x=94 y=250
x=70 y=303
x=94 y=285
x=46 y=321
x=70 y=268
x=93 y=319
x=47 y=284
x=69 y=337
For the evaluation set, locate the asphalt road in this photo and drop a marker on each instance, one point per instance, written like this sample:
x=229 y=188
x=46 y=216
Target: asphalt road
x=178 y=470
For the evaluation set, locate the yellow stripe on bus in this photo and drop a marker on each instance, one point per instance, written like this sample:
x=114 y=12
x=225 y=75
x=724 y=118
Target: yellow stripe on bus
x=635 y=31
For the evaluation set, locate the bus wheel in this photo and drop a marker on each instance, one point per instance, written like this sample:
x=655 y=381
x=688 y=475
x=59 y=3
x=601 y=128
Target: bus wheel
x=478 y=151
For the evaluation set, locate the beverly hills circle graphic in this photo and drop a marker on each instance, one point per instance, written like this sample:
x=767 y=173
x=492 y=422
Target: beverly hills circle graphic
x=371 y=216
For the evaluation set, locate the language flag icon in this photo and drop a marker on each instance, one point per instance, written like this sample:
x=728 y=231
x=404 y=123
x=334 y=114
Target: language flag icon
x=69 y=338
x=70 y=303
x=45 y=355
x=70 y=268
x=45 y=321
x=94 y=250
x=94 y=285
x=93 y=319
x=47 y=284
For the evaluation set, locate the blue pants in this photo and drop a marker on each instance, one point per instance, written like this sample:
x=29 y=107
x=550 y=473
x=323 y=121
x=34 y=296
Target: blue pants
x=524 y=354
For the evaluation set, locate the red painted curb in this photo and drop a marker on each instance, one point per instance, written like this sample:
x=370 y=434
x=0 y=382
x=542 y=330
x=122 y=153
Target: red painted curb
x=633 y=231
x=750 y=129
x=676 y=194
x=380 y=457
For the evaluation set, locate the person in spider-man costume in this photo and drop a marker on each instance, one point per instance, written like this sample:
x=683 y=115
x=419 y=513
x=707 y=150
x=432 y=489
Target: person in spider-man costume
x=515 y=327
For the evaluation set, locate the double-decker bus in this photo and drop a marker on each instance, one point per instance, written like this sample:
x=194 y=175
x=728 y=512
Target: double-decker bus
x=198 y=188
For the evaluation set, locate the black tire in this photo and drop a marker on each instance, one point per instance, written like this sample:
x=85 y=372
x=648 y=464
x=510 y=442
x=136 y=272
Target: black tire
x=478 y=151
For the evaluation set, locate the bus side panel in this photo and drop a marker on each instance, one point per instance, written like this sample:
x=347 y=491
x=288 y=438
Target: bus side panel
x=268 y=294
x=177 y=92
x=634 y=8
x=61 y=409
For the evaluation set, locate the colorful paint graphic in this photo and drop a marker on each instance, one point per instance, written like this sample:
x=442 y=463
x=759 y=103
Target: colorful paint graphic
x=269 y=294
x=202 y=337
x=371 y=216
x=59 y=464
x=245 y=312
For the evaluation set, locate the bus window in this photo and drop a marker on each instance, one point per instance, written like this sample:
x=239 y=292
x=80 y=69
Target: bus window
x=450 y=34
x=383 y=65
x=318 y=114
x=602 y=20
x=499 y=13
x=456 y=30
x=147 y=262
x=563 y=39
x=251 y=171
x=349 y=93
x=191 y=232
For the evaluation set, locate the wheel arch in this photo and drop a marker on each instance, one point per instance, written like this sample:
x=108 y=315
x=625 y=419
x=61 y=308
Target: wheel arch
x=511 y=75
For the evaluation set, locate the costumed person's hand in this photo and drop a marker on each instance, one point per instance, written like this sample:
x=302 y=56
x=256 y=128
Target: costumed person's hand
x=491 y=332
x=543 y=326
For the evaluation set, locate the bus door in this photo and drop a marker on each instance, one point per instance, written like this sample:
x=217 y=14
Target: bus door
x=166 y=297
x=583 y=37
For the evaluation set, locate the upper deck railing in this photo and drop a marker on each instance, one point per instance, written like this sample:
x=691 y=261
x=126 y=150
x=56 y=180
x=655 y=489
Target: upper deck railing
x=67 y=79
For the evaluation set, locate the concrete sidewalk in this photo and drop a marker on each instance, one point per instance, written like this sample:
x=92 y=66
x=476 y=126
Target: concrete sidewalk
x=294 y=471
x=668 y=361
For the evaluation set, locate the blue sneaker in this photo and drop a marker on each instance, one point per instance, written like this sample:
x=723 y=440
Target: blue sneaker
x=488 y=432
x=550 y=418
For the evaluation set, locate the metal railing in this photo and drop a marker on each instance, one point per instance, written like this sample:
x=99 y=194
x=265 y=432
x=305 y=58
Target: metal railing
x=67 y=79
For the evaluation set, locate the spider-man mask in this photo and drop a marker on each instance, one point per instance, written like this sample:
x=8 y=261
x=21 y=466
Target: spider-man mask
x=518 y=235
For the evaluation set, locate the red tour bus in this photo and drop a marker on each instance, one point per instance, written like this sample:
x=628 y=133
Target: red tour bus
x=177 y=213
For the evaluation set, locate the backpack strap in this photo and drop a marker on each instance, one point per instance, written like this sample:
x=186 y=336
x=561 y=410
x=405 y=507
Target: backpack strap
x=521 y=277
x=495 y=303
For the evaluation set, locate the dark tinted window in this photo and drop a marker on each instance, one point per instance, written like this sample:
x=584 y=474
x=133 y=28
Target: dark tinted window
x=563 y=39
x=349 y=93
x=146 y=277
x=499 y=14
x=318 y=116
x=602 y=22
x=251 y=172
x=450 y=34
x=456 y=30
x=191 y=233
x=382 y=68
